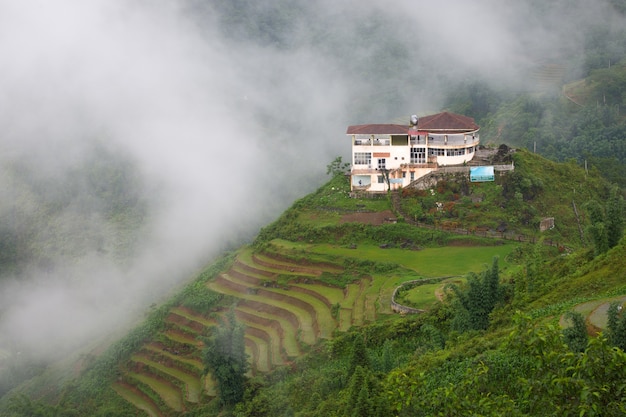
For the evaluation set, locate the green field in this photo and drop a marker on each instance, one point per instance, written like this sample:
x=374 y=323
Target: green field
x=429 y=262
x=423 y=296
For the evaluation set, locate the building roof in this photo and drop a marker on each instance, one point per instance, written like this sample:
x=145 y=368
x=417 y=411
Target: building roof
x=377 y=129
x=447 y=121
x=440 y=122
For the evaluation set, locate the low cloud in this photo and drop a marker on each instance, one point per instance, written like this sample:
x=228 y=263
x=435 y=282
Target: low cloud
x=224 y=130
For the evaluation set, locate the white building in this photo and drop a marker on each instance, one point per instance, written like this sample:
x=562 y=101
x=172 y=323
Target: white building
x=406 y=153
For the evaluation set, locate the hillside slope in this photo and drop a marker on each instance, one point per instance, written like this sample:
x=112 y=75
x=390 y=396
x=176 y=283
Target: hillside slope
x=321 y=278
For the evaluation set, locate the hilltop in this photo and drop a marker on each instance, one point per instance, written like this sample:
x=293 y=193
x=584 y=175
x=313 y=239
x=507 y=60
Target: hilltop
x=321 y=278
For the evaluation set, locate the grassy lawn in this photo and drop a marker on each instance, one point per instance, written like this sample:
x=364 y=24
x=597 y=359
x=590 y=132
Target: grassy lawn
x=423 y=296
x=429 y=262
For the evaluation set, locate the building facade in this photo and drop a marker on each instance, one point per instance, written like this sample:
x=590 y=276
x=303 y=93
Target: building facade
x=392 y=156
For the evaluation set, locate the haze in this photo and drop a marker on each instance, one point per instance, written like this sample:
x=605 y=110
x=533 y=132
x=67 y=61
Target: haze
x=225 y=128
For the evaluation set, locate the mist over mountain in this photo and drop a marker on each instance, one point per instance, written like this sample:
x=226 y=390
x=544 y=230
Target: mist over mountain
x=139 y=139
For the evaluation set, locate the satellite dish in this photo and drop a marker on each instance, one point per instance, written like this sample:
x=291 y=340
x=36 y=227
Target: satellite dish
x=414 y=120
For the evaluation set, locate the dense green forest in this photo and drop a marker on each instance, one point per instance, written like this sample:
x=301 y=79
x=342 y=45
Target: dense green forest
x=299 y=322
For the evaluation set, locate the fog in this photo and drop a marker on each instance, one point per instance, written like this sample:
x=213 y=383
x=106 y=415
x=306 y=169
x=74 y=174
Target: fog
x=224 y=128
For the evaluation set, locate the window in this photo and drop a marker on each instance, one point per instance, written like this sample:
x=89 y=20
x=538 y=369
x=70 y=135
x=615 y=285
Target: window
x=456 y=152
x=362 y=158
x=381 y=180
x=382 y=163
x=470 y=149
x=418 y=155
x=436 y=152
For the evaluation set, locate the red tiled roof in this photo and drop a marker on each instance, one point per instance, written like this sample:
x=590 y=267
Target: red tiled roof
x=377 y=129
x=440 y=122
x=447 y=122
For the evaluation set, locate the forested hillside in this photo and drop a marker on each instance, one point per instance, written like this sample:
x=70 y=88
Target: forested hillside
x=583 y=119
x=309 y=305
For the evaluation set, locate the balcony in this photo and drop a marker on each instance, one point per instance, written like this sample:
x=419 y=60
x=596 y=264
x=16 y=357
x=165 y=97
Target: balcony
x=452 y=140
x=370 y=142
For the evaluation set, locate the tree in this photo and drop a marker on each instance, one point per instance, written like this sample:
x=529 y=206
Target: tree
x=597 y=229
x=479 y=299
x=576 y=336
x=359 y=356
x=616 y=326
x=358 y=383
x=607 y=221
x=22 y=406
x=225 y=357
x=433 y=338
x=363 y=406
x=362 y=396
x=337 y=167
x=385 y=174
x=387 y=357
x=614 y=217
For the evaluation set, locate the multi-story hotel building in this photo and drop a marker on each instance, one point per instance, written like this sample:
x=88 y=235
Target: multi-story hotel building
x=390 y=156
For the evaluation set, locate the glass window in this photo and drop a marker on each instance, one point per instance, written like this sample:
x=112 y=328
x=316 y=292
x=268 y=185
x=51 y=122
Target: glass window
x=362 y=158
x=456 y=152
x=418 y=155
x=436 y=152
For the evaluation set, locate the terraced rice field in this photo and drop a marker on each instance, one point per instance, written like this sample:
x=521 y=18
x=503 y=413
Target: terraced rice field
x=284 y=309
x=286 y=306
x=165 y=376
x=595 y=313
